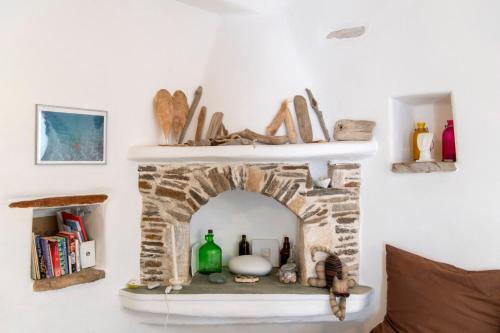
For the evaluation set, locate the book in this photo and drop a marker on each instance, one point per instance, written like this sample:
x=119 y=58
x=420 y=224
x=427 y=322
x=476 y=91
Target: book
x=34 y=259
x=54 y=256
x=61 y=248
x=75 y=227
x=41 y=263
x=46 y=257
x=77 y=219
x=77 y=255
x=71 y=246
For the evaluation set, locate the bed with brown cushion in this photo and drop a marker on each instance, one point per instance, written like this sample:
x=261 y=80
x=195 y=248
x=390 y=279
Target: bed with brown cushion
x=425 y=296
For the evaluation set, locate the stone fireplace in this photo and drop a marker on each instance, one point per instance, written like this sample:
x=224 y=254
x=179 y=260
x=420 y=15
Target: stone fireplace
x=172 y=193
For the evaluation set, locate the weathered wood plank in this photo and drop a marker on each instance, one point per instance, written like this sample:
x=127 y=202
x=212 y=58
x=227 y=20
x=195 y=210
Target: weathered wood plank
x=214 y=126
x=200 y=125
x=84 y=276
x=290 y=127
x=60 y=201
x=424 y=167
x=277 y=120
x=353 y=130
x=192 y=110
x=303 y=119
x=164 y=111
x=181 y=110
x=266 y=139
x=319 y=114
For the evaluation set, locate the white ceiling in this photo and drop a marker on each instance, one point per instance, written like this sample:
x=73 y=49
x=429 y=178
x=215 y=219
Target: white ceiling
x=225 y=7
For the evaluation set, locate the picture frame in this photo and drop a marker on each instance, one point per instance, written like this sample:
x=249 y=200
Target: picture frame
x=67 y=135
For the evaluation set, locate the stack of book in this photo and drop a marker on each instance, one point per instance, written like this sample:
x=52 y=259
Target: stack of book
x=58 y=255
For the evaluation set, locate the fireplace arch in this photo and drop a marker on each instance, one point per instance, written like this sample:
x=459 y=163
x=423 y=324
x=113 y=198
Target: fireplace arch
x=172 y=193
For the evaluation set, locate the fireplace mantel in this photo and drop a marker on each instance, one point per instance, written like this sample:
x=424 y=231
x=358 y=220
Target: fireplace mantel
x=339 y=151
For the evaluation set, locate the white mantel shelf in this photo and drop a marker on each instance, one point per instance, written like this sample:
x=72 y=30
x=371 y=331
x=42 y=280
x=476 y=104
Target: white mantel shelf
x=338 y=151
x=242 y=308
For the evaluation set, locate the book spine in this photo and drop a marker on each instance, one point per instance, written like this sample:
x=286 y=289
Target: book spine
x=54 y=254
x=34 y=257
x=62 y=255
x=41 y=264
x=46 y=257
x=77 y=255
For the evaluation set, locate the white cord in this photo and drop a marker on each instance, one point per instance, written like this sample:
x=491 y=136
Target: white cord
x=167 y=291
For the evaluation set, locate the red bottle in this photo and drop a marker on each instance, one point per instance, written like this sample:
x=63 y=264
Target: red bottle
x=449 y=154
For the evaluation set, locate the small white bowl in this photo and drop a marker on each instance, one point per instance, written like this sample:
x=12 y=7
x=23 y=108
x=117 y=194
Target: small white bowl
x=323 y=182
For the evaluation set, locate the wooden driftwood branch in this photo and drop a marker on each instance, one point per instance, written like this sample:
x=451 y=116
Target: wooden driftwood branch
x=232 y=139
x=266 y=139
x=277 y=120
x=319 y=114
x=353 y=130
x=192 y=110
x=303 y=119
x=200 y=125
x=214 y=126
x=290 y=127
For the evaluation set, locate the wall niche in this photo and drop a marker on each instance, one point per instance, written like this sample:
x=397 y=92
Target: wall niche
x=435 y=109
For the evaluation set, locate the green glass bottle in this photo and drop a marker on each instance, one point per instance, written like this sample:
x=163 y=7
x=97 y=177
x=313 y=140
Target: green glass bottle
x=209 y=256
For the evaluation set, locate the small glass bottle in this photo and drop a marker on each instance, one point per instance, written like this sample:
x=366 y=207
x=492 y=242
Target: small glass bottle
x=449 y=153
x=285 y=251
x=421 y=128
x=209 y=256
x=244 y=247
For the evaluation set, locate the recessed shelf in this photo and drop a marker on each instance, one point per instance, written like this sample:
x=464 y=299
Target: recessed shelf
x=424 y=167
x=84 y=276
x=434 y=109
x=339 y=150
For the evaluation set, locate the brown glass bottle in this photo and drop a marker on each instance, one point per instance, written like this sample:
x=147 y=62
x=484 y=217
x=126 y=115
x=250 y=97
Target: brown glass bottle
x=285 y=251
x=244 y=246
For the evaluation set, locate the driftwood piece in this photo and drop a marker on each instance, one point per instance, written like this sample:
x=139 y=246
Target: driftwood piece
x=215 y=124
x=192 y=110
x=303 y=119
x=164 y=111
x=277 y=120
x=222 y=131
x=181 y=110
x=347 y=33
x=290 y=127
x=230 y=140
x=265 y=139
x=200 y=125
x=353 y=130
x=319 y=114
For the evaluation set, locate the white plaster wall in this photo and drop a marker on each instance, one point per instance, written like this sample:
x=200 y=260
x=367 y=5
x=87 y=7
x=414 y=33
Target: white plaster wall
x=114 y=55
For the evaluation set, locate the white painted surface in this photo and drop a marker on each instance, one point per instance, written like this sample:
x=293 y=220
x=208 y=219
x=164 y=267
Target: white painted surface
x=345 y=151
x=114 y=55
x=263 y=308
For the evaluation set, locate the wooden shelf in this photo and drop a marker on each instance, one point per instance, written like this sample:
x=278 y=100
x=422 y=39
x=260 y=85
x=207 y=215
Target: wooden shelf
x=84 y=276
x=424 y=167
x=337 y=150
x=74 y=200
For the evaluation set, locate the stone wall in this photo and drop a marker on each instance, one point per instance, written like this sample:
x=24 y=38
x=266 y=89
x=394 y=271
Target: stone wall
x=172 y=193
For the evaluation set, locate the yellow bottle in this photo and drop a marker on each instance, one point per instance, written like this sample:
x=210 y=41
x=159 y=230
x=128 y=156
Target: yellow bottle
x=419 y=129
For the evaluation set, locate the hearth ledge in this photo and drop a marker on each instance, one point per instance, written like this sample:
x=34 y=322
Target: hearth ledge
x=338 y=150
x=240 y=308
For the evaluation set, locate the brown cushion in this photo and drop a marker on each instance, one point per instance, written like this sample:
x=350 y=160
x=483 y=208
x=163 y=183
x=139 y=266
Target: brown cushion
x=428 y=296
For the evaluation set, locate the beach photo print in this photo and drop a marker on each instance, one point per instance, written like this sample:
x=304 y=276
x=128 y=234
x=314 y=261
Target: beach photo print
x=70 y=135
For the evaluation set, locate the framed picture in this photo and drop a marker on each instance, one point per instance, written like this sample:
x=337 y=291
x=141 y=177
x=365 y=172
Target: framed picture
x=70 y=135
